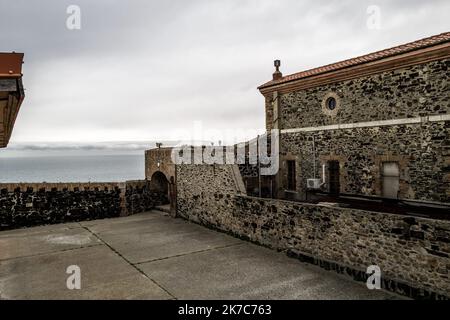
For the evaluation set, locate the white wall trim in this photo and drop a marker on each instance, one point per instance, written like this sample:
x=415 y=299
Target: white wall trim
x=380 y=123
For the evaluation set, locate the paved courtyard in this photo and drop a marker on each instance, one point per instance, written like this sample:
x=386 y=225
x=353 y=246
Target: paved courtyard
x=152 y=256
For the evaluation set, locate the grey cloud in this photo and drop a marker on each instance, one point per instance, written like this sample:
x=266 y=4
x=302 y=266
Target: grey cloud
x=52 y=146
x=137 y=70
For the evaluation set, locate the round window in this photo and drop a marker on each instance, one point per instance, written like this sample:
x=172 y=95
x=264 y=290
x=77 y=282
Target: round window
x=331 y=103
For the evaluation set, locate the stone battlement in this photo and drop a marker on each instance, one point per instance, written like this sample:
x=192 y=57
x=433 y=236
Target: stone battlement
x=70 y=186
x=30 y=204
x=61 y=186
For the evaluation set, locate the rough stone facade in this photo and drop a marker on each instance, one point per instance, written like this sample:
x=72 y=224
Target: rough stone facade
x=413 y=253
x=159 y=160
x=25 y=205
x=421 y=148
x=415 y=91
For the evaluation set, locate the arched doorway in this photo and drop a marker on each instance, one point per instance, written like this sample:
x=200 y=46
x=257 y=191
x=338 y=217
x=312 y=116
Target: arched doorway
x=160 y=184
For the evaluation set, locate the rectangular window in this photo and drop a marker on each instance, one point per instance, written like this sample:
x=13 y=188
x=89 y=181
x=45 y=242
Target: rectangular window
x=291 y=175
x=334 y=177
x=390 y=179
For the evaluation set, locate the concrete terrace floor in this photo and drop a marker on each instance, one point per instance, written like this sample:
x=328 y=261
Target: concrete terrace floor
x=153 y=256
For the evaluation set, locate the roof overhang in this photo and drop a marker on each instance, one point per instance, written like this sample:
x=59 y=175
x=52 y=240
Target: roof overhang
x=11 y=93
x=11 y=65
x=418 y=52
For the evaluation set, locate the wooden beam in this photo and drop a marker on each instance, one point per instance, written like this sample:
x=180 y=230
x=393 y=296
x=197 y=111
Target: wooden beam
x=8 y=85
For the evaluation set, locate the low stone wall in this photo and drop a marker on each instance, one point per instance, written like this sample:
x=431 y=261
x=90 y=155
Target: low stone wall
x=139 y=197
x=31 y=204
x=413 y=253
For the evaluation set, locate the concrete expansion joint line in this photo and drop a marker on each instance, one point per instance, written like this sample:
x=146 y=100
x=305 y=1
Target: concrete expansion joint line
x=188 y=253
x=51 y=252
x=127 y=261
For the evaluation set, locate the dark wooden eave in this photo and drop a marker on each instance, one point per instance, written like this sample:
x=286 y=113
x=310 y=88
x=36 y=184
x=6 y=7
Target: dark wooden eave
x=11 y=93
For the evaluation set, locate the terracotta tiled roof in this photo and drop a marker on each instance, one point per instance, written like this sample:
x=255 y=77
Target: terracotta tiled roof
x=10 y=64
x=419 y=44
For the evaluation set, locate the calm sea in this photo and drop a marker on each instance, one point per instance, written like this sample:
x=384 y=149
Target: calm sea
x=76 y=168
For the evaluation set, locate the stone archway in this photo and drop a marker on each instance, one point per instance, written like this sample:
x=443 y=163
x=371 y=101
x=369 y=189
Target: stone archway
x=160 y=172
x=160 y=184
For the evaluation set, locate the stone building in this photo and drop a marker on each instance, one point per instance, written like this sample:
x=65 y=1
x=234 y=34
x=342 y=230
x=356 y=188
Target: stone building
x=11 y=93
x=364 y=150
x=373 y=128
x=375 y=125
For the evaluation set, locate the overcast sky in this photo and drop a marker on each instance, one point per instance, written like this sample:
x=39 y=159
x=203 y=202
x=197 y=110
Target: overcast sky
x=139 y=69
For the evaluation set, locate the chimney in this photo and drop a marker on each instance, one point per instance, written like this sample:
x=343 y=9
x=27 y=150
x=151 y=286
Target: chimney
x=277 y=74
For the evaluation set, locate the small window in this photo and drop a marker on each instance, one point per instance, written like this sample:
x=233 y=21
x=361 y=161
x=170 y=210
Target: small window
x=291 y=175
x=331 y=103
x=390 y=179
x=334 y=177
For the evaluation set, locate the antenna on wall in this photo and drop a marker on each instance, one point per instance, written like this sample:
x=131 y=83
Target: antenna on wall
x=314 y=156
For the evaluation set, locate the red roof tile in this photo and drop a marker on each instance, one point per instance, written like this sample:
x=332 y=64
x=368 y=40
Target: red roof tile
x=419 y=44
x=10 y=64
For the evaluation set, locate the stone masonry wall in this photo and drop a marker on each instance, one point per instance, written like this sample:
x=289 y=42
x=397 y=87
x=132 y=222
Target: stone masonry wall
x=413 y=253
x=25 y=205
x=421 y=150
x=139 y=197
x=403 y=93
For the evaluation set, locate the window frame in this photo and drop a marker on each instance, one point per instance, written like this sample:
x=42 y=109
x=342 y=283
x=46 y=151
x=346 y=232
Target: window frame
x=291 y=174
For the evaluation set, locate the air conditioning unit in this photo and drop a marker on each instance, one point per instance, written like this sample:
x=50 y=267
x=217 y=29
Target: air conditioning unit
x=313 y=183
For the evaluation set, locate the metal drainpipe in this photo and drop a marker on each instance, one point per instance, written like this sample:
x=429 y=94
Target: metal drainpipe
x=314 y=157
x=259 y=166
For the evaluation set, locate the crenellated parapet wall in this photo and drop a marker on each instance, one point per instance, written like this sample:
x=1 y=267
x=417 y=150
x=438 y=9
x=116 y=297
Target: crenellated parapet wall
x=61 y=186
x=31 y=204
